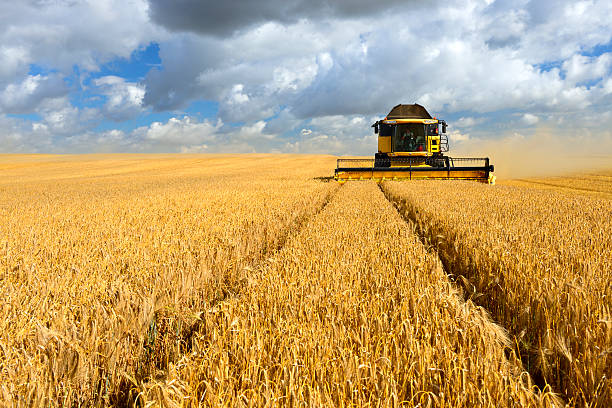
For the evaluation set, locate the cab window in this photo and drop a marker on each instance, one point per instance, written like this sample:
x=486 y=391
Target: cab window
x=432 y=130
x=386 y=130
x=409 y=137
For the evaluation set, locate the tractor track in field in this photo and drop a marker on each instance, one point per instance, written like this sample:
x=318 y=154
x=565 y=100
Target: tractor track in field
x=431 y=241
x=125 y=396
x=563 y=186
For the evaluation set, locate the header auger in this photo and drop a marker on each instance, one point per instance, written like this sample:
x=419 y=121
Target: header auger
x=411 y=146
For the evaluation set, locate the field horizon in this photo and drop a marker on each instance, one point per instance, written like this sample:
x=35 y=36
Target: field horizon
x=524 y=168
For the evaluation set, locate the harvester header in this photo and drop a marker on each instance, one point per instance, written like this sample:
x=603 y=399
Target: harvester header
x=411 y=145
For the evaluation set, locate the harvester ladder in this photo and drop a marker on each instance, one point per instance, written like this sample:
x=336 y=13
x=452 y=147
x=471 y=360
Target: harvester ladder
x=443 y=142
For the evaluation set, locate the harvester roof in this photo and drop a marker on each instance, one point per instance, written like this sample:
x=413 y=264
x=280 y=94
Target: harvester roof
x=414 y=111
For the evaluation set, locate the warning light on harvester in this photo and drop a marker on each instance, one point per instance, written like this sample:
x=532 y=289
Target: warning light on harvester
x=410 y=147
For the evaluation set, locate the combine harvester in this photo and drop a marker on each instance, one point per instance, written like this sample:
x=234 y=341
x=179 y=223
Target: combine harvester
x=410 y=147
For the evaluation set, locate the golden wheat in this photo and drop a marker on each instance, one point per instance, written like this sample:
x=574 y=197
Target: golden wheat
x=540 y=262
x=220 y=280
x=103 y=261
x=352 y=311
x=593 y=184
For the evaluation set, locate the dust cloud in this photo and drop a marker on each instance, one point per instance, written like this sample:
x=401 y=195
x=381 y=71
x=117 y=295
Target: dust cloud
x=543 y=153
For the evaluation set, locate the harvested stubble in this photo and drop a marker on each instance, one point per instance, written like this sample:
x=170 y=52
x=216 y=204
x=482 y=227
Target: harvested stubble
x=353 y=311
x=597 y=185
x=104 y=261
x=540 y=262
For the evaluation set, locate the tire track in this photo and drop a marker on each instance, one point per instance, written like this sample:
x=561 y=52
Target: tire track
x=446 y=253
x=564 y=187
x=164 y=326
x=354 y=309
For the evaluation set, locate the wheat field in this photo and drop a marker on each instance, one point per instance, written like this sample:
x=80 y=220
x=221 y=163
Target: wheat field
x=254 y=280
x=540 y=261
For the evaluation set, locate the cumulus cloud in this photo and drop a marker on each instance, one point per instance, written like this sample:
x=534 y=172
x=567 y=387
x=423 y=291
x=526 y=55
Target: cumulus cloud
x=14 y=61
x=60 y=124
x=60 y=34
x=457 y=137
x=18 y=136
x=25 y=96
x=546 y=31
x=190 y=135
x=274 y=68
x=48 y=49
x=185 y=131
x=581 y=68
x=468 y=122
x=61 y=118
x=272 y=64
x=123 y=99
x=607 y=86
x=530 y=119
x=335 y=134
x=460 y=59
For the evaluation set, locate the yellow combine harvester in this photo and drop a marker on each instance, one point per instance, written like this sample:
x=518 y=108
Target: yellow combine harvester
x=410 y=146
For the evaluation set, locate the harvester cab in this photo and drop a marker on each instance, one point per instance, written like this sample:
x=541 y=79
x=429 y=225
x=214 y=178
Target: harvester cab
x=411 y=145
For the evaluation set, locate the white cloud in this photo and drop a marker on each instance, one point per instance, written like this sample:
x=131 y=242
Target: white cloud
x=325 y=61
x=61 y=34
x=195 y=149
x=581 y=68
x=18 y=136
x=318 y=144
x=296 y=77
x=530 y=119
x=185 y=131
x=189 y=134
x=473 y=56
x=253 y=132
x=330 y=70
x=468 y=122
x=337 y=134
x=61 y=118
x=607 y=86
x=27 y=95
x=14 y=59
x=123 y=99
x=455 y=136
x=237 y=96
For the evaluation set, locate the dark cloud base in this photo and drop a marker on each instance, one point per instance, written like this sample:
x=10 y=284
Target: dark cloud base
x=223 y=18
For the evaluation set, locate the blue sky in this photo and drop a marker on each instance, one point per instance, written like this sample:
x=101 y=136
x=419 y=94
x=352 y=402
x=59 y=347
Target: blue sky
x=298 y=76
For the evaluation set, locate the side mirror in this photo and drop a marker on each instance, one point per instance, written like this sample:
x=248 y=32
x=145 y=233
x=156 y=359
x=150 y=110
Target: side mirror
x=443 y=127
x=376 y=128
